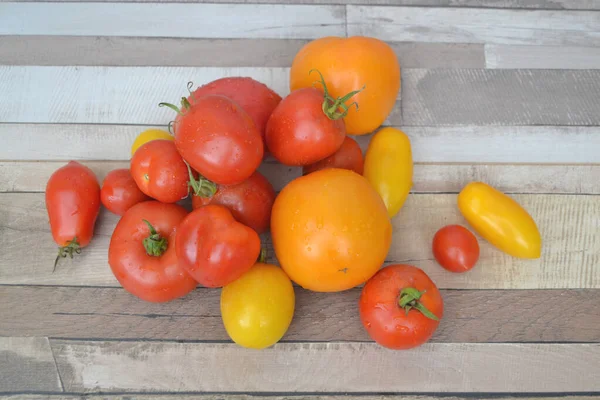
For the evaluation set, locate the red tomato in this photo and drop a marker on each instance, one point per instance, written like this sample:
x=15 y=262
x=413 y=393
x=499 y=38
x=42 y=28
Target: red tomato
x=214 y=248
x=72 y=202
x=349 y=156
x=142 y=254
x=455 y=248
x=400 y=307
x=160 y=172
x=120 y=192
x=250 y=202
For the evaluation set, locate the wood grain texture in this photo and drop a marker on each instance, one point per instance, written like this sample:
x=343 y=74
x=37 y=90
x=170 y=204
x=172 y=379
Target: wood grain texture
x=544 y=57
x=283 y=397
x=569 y=226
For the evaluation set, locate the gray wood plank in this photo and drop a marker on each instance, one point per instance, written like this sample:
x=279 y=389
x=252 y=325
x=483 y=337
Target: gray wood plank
x=284 y=397
x=544 y=57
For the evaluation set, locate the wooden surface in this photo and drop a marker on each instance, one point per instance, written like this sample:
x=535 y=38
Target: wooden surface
x=503 y=91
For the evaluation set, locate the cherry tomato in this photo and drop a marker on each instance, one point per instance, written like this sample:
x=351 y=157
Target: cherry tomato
x=349 y=156
x=400 y=307
x=72 y=203
x=214 y=248
x=142 y=255
x=455 y=248
x=120 y=192
x=160 y=172
x=148 y=136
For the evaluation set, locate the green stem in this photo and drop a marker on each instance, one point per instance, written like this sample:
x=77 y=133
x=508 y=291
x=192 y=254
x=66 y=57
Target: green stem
x=409 y=299
x=201 y=187
x=331 y=106
x=68 y=250
x=262 y=258
x=154 y=244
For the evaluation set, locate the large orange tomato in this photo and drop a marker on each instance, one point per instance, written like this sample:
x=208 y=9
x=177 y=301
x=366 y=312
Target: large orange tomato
x=330 y=230
x=347 y=65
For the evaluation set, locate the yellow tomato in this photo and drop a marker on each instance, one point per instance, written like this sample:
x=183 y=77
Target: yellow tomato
x=389 y=167
x=148 y=136
x=500 y=220
x=257 y=308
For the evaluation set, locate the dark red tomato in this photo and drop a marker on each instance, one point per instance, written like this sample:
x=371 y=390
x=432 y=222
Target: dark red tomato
x=160 y=172
x=120 y=192
x=400 y=307
x=455 y=248
x=214 y=248
x=142 y=253
x=72 y=203
x=349 y=156
x=250 y=202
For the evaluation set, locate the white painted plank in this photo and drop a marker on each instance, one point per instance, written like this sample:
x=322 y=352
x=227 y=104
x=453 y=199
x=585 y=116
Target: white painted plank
x=172 y=20
x=543 y=57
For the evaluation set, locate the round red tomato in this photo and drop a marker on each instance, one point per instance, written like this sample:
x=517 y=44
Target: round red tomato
x=455 y=248
x=120 y=192
x=349 y=156
x=142 y=253
x=400 y=307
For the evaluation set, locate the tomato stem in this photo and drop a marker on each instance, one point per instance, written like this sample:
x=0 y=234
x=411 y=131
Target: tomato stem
x=201 y=187
x=409 y=299
x=332 y=106
x=71 y=247
x=154 y=244
x=185 y=106
x=262 y=258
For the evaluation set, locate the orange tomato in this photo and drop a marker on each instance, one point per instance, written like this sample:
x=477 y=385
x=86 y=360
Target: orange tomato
x=348 y=64
x=330 y=230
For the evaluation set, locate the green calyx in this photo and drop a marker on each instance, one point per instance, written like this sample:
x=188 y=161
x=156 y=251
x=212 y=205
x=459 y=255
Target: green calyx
x=201 y=187
x=185 y=103
x=262 y=257
x=154 y=244
x=68 y=250
x=335 y=108
x=409 y=299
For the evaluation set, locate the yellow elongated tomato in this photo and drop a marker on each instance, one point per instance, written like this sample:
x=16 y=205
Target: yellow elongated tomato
x=500 y=220
x=257 y=308
x=148 y=136
x=389 y=167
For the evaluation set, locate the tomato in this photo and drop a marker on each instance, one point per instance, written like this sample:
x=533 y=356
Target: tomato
x=72 y=203
x=160 y=172
x=346 y=62
x=120 y=192
x=389 y=167
x=500 y=220
x=349 y=156
x=214 y=248
x=455 y=248
x=330 y=230
x=250 y=202
x=400 y=307
x=257 y=308
x=148 y=136
x=142 y=254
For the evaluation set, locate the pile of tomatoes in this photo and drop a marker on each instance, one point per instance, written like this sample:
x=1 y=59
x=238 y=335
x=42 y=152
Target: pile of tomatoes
x=330 y=228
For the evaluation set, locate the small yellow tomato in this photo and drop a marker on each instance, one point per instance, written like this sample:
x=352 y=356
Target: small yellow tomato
x=257 y=308
x=389 y=167
x=148 y=136
x=500 y=220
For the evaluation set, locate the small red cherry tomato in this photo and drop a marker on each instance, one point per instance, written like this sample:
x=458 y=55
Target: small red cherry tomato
x=120 y=192
x=349 y=156
x=455 y=248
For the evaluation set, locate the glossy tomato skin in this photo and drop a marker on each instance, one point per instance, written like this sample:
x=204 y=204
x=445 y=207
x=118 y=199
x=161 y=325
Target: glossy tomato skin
x=151 y=278
x=214 y=248
x=349 y=156
x=149 y=135
x=330 y=230
x=219 y=140
x=250 y=202
x=455 y=248
x=389 y=324
x=347 y=64
x=120 y=192
x=73 y=203
x=160 y=172
x=258 y=307
x=299 y=132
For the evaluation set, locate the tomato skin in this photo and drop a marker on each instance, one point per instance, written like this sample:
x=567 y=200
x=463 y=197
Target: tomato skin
x=258 y=307
x=159 y=171
x=455 y=248
x=500 y=220
x=214 y=248
x=383 y=318
x=250 y=202
x=151 y=278
x=219 y=140
x=349 y=156
x=299 y=132
x=120 y=192
x=72 y=202
x=149 y=135
x=347 y=64
x=330 y=230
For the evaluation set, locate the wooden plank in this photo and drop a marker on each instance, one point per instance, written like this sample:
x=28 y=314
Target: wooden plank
x=470 y=316
x=544 y=57
x=285 y=397
x=569 y=226
x=27 y=364
x=466 y=25
x=322 y=367
x=274 y=21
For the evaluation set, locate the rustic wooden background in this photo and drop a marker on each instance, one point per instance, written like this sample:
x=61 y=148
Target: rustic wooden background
x=505 y=91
